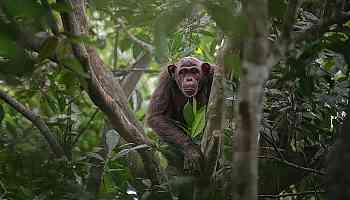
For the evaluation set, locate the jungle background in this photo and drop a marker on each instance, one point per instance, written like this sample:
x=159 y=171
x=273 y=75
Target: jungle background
x=76 y=77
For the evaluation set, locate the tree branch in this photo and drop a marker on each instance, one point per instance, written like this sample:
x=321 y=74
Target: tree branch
x=212 y=137
x=37 y=121
x=296 y=166
x=105 y=92
x=272 y=196
x=130 y=81
x=148 y=47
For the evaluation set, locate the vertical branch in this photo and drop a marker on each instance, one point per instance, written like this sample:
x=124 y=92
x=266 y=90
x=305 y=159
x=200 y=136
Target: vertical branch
x=255 y=71
x=210 y=143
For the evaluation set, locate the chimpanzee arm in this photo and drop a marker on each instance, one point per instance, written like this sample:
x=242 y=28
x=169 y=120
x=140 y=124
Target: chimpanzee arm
x=159 y=114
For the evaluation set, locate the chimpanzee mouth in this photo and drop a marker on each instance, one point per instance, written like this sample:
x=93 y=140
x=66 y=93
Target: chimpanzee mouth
x=189 y=92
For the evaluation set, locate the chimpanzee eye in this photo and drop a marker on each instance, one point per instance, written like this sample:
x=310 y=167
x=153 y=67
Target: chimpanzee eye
x=194 y=70
x=183 y=71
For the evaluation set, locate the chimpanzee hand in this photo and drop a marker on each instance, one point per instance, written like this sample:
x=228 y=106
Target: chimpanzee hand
x=193 y=160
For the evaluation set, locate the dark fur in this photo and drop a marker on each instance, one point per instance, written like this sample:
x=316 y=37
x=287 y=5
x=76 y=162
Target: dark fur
x=167 y=103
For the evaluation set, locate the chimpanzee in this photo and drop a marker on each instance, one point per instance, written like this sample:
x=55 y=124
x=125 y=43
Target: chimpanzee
x=186 y=79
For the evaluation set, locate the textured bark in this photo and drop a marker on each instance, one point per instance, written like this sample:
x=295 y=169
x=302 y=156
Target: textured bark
x=105 y=92
x=211 y=143
x=255 y=71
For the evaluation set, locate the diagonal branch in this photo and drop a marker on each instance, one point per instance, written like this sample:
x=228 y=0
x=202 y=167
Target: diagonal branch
x=130 y=81
x=105 y=92
x=148 y=47
x=37 y=121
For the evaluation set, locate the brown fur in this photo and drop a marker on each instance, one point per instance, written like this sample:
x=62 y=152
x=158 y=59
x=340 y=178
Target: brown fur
x=167 y=103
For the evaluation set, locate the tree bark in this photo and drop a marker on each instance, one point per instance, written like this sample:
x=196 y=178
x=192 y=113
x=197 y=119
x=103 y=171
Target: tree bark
x=105 y=92
x=254 y=72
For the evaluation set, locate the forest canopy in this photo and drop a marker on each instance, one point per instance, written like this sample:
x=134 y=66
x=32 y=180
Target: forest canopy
x=77 y=76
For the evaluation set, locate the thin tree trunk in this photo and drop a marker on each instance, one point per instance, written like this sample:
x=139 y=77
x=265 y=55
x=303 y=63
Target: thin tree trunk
x=254 y=72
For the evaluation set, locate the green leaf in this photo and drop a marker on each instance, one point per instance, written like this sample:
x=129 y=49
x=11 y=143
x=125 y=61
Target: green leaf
x=165 y=24
x=340 y=76
x=125 y=44
x=194 y=109
x=8 y=48
x=162 y=160
x=188 y=114
x=48 y=48
x=136 y=50
x=61 y=6
x=76 y=67
x=112 y=140
x=199 y=122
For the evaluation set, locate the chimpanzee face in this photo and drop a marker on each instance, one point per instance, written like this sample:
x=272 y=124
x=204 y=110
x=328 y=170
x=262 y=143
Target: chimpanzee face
x=188 y=73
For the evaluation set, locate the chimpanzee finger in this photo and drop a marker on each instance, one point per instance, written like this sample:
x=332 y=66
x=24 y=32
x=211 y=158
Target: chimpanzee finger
x=187 y=167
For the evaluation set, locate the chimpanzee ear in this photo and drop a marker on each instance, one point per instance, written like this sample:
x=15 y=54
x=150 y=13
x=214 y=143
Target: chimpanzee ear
x=206 y=68
x=171 y=69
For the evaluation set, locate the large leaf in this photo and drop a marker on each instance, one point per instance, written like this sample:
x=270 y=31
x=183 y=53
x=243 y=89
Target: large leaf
x=188 y=114
x=112 y=140
x=199 y=122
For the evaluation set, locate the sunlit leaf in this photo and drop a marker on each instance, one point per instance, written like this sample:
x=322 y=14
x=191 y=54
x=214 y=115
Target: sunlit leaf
x=199 y=122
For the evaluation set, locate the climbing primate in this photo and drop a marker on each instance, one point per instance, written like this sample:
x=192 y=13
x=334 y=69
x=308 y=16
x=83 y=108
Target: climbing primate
x=179 y=82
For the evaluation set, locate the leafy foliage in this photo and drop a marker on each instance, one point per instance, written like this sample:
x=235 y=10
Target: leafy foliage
x=194 y=118
x=304 y=105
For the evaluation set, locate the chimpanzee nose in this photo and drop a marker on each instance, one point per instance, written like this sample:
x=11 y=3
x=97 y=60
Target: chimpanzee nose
x=189 y=79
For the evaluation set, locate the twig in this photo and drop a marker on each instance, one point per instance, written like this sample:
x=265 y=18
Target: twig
x=136 y=69
x=37 y=121
x=131 y=80
x=82 y=131
x=275 y=147
x=273 y=196
x=314 y=171
x=143 y=44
